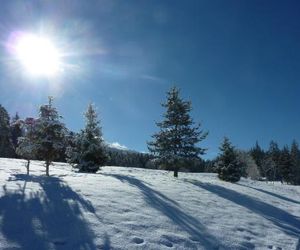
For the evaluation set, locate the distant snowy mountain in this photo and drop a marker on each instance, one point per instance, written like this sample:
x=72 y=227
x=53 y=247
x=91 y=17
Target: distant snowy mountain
x=129 y=208
x=117 y=146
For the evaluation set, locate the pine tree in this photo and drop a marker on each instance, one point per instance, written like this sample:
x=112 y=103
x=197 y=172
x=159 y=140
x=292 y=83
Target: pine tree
x=49 y=134
x=295 y=163
x=16 y=129
x=269 y=167
x=175 y=145
x=258 y=155
x=285 y=165
x=6 y=146
x=273 y=153
x=228 y=165
x=87 y=152
x=249 y=167
x=26 y=148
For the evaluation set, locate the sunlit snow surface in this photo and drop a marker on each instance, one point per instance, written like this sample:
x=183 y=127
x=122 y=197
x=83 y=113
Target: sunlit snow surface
x=124 y=208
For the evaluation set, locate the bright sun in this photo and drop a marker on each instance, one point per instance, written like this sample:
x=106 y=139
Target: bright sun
x=38 y=55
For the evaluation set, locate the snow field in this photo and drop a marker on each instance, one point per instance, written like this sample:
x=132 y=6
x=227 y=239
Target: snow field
x=128 y=208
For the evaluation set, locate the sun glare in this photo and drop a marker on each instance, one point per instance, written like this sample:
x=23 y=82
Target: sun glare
x=38 y=55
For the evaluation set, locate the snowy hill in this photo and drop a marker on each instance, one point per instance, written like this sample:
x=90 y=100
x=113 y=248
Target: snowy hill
x=127 y=208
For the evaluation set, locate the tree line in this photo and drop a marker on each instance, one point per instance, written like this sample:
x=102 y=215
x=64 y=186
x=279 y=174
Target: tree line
x=176 y=146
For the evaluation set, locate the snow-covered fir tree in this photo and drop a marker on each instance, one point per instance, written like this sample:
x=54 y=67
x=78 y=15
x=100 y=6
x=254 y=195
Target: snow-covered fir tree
x=175 y=145
x=228 y=166
x=249 y=167
x=6 y=146
x=285 y=166
x=49 y=134
x=26 y=148
x=87 y=152
x=258 y=155
x=16 y=129
x=272 y=170
x=295 y=163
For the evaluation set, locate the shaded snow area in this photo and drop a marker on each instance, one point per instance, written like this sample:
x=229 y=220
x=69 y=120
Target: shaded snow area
x=124 y=208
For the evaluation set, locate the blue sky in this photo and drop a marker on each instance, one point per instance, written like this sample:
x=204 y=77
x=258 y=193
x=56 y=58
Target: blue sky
x=237 y=61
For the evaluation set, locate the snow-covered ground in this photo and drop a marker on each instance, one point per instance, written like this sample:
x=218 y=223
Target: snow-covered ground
x=124 y=208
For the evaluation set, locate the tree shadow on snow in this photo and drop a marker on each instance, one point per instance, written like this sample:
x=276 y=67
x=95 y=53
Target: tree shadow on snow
x=50 y=218
x=284 y=220
x=271 y=193
x=166 y=206
x=106 y=244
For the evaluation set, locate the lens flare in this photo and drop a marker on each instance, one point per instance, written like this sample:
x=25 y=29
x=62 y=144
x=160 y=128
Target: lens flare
x=38 y=55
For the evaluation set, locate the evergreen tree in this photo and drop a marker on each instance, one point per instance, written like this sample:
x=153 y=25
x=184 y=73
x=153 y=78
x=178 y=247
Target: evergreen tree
x=6 y=146
x=273 y=153
x=26 y=148
x=49 y=134
x=295 y=163
x=258 y=155
x=16 y=129
x=269 y=167
x=285 y=165
x=228 y=165
x=249 y=167
x=175 y=145
x=88 y=152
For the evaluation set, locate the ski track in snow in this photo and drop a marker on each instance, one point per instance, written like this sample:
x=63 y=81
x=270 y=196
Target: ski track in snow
x=129 y=208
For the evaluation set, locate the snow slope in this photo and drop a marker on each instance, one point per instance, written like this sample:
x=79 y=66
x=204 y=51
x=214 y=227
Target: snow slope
x=123 y=208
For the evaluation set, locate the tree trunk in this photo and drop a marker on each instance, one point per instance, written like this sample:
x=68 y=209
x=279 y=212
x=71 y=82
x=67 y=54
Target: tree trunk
x=47 y=168
x=176 y=173
x=27 y=166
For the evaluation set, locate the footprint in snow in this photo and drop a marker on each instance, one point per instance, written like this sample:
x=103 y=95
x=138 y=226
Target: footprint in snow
x=273 y=247
x=137 y=240
x=247 y=238
x=166 y=243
